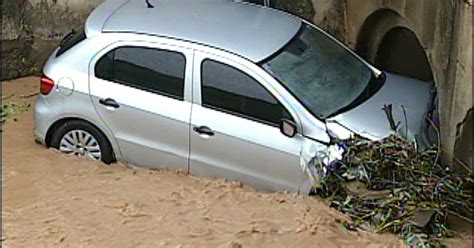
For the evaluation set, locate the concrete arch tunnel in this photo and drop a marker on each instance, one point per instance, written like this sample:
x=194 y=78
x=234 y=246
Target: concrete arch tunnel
x=400 y=52
x=390 y=44
x=399 y=44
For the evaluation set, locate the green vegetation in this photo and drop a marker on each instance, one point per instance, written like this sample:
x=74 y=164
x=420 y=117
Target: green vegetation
x=9 y=111
x=404 y=191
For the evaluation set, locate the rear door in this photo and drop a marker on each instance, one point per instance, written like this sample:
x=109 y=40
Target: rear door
x=235 y=128
x=141 y=91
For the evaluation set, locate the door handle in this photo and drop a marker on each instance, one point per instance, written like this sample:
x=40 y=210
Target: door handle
x=204 y=131
x=109 y=102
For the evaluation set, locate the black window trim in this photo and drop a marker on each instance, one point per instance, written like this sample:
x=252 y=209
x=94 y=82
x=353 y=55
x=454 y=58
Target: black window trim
x=153 y=91
x=251 y=118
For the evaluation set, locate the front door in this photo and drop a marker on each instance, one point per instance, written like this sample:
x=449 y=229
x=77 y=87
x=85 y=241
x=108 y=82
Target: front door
x=139 y=92
x=235 y=128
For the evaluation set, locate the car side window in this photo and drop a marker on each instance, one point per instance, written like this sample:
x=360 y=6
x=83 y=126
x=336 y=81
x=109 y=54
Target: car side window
x=149 y=69
x=229 y=89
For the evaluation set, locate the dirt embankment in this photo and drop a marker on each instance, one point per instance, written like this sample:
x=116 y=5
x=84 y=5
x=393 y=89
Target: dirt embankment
x=54 y=200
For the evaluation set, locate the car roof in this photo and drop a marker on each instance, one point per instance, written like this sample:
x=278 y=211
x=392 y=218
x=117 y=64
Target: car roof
x=251 y=31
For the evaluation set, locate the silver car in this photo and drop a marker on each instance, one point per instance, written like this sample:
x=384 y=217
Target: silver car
x=219 y=89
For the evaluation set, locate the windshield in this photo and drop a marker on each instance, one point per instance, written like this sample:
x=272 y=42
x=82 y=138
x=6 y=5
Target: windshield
x=324 y=76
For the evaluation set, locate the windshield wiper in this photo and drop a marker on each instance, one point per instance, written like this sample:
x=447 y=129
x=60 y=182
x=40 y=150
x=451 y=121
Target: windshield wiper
x=67 y=37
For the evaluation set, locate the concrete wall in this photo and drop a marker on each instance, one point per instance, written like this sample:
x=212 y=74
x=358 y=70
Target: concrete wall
x=441 y=51
x=442 y=31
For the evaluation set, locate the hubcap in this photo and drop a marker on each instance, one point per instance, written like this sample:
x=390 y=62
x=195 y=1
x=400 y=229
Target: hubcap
x=80 y=143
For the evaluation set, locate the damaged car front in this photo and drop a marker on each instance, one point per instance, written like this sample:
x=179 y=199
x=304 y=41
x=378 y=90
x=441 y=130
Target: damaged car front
x=349 y=96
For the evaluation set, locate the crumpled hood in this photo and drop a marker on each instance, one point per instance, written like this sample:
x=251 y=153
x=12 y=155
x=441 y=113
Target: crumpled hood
x=369 y=119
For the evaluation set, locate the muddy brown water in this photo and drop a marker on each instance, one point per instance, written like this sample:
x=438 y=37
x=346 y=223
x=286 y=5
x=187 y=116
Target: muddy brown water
x=54 y=200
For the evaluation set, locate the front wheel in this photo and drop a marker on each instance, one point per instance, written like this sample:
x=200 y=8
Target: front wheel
x=82 y=139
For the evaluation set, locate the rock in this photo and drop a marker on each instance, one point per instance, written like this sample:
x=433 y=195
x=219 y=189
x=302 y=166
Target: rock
x=358 y=189
x=422 y=218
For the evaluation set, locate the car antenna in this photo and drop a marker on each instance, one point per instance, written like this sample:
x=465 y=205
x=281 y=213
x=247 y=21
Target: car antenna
x=149 y=5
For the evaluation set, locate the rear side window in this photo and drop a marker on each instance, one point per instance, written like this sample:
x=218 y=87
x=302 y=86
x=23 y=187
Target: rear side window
x=153 y=70
x=71 y=40
x=228 y=89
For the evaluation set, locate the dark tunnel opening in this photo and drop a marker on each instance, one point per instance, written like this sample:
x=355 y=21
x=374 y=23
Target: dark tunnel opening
x=400 y=52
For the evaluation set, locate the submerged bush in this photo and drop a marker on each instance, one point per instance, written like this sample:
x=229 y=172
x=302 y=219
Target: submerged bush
x=406 y=192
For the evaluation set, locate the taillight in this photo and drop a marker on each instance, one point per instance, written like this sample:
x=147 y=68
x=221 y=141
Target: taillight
x=47 y=84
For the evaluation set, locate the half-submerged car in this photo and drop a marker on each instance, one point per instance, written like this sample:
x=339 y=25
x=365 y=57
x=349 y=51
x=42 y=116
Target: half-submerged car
x=216 y=88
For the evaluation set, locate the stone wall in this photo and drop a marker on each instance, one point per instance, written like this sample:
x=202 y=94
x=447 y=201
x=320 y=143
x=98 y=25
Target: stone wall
x=31 y=29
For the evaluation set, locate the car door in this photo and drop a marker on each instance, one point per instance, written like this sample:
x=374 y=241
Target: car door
x=235 y=128
x=141 y=91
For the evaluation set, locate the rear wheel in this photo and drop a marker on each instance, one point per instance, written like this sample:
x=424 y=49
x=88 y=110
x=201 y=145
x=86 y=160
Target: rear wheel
x=82 y=139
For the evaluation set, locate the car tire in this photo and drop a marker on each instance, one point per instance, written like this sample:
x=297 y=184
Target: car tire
x=106 y=150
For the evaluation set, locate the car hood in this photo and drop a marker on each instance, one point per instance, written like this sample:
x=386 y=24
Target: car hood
x=369 y=120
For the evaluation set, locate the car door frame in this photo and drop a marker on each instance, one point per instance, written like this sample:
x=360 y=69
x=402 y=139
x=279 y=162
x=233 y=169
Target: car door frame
x=263 y=78
x=248 y=67
x=136 y=40
x=146 y=41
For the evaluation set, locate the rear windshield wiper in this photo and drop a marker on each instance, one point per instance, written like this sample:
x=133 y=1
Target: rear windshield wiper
x=68 y=37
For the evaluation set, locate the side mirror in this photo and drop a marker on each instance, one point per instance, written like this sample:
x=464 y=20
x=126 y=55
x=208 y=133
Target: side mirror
x=288 y=128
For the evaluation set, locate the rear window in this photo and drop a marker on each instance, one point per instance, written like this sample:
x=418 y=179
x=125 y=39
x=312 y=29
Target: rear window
x=149 y=69
x=70 y=40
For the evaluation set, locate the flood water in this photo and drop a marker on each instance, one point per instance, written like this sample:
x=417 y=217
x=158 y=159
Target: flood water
x=54 y=200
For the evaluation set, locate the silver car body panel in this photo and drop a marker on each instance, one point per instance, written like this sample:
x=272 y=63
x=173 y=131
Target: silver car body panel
x=243 y=149
x=69 y=100
x=407 y=96
x=152 y=130
x=96 y=20
x=248 y=30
